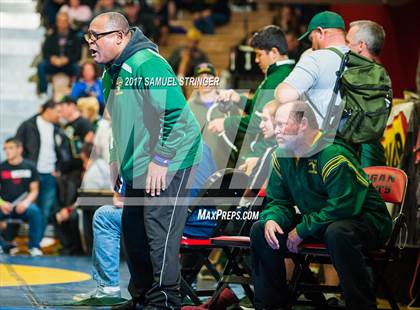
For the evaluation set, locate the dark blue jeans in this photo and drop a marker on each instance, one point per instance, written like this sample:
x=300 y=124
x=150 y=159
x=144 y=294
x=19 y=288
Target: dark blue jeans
x=47 y=197
x=32 y=215
x=45 y=68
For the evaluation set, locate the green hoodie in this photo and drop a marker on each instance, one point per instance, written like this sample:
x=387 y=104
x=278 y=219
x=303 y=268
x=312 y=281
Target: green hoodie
x=326 y=187
x=150 y=117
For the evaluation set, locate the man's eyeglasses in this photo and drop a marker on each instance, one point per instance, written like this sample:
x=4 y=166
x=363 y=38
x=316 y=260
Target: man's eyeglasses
x=93 y=36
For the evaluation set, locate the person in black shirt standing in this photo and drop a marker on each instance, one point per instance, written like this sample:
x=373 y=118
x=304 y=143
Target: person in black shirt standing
x=19 y=186
x=79 y=131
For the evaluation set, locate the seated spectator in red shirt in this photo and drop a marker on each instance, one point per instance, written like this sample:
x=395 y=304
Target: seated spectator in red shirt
x=61 y=52
x=19 y=186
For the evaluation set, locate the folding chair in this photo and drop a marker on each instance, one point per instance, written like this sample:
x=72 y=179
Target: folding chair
x=236 y=249
x=223 y=190
x=391 y=183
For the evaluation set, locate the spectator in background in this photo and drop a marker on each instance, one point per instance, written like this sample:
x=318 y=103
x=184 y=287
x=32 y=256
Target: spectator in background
x=61 y=51
x=49 y=11
x=131 y=10
x=201 y=101
x=19 y=186
x=104 y=6
x=185 y=58
x=45 y=144
x=209 y=14
x=295 y=48
x=286 y=18
x=103 y=136
x=96 y=170
x=155 y=17
x=79 y=131
x=79 y=14
x=89 y=84
x=89 y=109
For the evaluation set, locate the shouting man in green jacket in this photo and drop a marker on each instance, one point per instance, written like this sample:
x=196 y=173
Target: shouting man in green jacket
x=338 y=205
x=156 y=141
x=271 y=56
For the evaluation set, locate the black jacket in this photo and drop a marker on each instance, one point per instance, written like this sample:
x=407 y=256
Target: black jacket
x=72 y=49
x=28 y=133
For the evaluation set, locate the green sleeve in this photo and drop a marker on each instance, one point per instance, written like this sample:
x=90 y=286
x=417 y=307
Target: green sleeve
x=280 y=207
x=347 y=186
x=171 y=106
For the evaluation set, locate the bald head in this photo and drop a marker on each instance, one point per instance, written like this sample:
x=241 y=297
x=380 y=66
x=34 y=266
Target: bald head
x=107 y=36
x=112 y=21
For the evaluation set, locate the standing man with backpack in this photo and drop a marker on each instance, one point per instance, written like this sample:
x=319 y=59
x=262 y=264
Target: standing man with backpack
x=315 y=73
x=356 y=102
x=366 y=38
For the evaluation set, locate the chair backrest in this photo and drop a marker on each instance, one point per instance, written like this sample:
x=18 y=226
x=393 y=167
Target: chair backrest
x=391 y=183
x=223 y=190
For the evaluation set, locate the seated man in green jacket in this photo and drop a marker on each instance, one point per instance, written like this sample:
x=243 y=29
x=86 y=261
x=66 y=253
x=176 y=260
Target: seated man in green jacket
x=338 y=205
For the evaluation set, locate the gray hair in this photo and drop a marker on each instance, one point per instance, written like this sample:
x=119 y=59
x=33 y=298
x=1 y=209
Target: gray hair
x=371 y=33
x=116 y=21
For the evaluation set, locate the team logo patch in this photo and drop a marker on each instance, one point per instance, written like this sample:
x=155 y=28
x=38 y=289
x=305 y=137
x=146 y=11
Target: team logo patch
x=312 y=164
x=118 y=84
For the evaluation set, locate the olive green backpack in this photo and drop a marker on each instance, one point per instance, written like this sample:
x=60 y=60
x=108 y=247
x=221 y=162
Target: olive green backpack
x=365 y=89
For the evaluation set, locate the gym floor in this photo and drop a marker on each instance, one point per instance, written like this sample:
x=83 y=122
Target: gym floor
x=47 y=282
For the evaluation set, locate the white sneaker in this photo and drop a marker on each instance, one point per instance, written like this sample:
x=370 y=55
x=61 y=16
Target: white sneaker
x=35 y=252
x=14 y=251
x=47 y=242
x=97 y=293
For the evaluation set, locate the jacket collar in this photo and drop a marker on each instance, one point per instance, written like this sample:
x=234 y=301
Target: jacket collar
x=272 y=68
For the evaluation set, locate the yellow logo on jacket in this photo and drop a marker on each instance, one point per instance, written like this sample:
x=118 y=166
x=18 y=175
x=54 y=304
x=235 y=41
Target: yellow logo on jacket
x=118 y=84
x=312 y=164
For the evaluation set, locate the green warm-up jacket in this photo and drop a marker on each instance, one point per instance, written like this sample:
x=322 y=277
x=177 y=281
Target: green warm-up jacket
x=149 y=114
x=326 y=187
x=250 y=124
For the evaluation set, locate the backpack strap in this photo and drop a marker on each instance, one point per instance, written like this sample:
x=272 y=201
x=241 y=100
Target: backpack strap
x=337 y=51
x=333 y=107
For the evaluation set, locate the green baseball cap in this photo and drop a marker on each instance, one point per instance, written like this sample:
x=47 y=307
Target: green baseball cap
x=326 y=19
